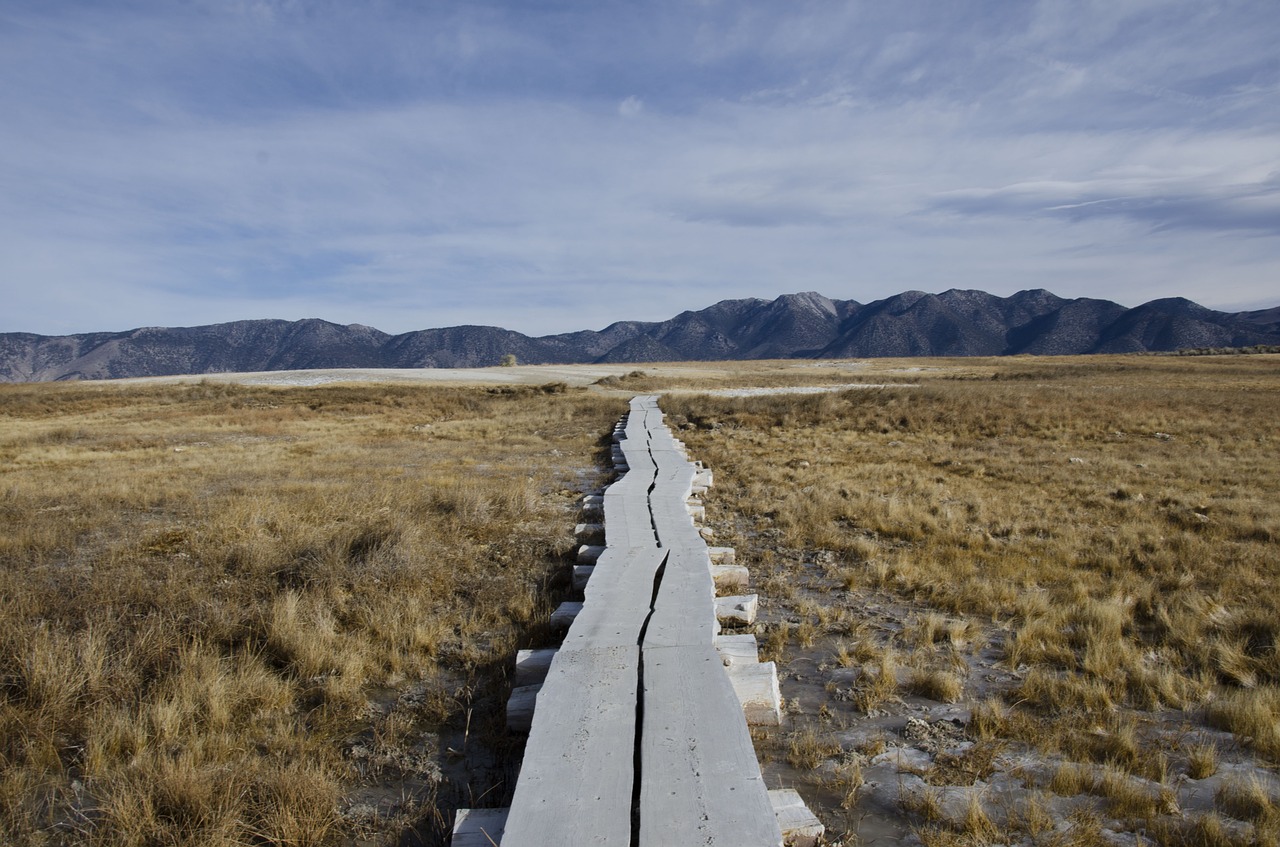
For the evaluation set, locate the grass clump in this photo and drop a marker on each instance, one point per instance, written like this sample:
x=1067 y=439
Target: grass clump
x=1202 y=760
x=1253 y=714
x=939 y=685
x=806 y=748
x=1248 y=799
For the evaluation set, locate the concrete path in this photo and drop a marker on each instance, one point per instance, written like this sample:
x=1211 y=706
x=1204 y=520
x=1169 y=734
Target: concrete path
x=639 y=734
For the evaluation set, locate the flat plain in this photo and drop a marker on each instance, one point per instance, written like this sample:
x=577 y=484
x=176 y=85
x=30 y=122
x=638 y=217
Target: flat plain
x=1024 y=600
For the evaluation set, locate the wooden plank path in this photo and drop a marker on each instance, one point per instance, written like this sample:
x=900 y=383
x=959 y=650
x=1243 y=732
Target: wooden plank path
x=639 y=736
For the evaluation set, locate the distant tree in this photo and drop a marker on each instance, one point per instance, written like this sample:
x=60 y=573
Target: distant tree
x=509 y=360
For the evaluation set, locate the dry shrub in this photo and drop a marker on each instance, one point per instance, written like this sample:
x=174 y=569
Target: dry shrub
x=1127 y=797
x=1206 y=830
x=1070 y=778
x=849 y=781
x=878 y=683
x=988 y=720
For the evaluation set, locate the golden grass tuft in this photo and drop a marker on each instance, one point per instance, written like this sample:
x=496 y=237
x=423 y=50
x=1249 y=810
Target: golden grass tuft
x=1248 y=799
x=1202 y=760
x=1253 y=714
x=939 y=685
x=806 y=748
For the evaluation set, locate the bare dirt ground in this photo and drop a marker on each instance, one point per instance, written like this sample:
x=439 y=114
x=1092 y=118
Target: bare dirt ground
x=573 y=375
x=731 y=379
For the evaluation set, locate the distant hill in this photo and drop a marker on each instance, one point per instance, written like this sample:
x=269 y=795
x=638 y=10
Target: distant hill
x=914 y=323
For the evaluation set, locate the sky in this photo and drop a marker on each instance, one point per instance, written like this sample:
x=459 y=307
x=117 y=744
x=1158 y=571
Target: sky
x=556 y=166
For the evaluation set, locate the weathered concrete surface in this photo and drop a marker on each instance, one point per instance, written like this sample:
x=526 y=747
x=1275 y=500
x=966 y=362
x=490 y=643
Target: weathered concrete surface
x=737 y=610
x=575 y=785
x=641 y=719
x=700 y=781
x=757 y=688
x=532 y=666
x=478 y=827
x=737 y=649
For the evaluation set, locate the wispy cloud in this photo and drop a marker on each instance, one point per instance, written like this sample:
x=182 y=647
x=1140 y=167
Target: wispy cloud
x=553 y=167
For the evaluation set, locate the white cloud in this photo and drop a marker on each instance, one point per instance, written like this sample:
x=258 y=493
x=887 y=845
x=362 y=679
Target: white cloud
x=630 y=107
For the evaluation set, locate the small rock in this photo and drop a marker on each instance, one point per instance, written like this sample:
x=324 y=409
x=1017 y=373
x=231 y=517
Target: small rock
x=1076 y=460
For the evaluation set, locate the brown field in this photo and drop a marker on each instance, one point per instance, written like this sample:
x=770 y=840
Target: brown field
x=251 y=615
x=1080 y=554
x=264 y=616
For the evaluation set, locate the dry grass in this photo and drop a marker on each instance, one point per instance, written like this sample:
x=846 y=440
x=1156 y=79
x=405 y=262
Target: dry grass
x=1109 y=523
x=807 y=747
x=936 y=685
x=1202 y=760
x=206 y=586
x=1248 y=799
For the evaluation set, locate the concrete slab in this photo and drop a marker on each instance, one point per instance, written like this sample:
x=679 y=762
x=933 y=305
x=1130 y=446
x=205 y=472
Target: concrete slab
x=576 y=781
x=700 y=782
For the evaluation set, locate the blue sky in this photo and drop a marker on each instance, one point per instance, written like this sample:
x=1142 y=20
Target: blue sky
x=552 y=166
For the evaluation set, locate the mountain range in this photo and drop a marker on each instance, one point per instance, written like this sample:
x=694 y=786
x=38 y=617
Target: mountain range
x=807 y=325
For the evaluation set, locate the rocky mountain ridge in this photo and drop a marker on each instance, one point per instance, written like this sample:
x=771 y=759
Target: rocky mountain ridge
x=805 y=325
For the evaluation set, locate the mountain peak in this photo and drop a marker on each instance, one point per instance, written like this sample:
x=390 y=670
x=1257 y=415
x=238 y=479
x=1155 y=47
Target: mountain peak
x=810 y=300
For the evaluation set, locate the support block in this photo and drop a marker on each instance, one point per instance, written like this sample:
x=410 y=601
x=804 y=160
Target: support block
x=478 y=827
x=800 y=827
x=520 y=707
x=738 y=610
x=562 y=617
x=757 y=688
x=737 y=649
x=722 y=555
x=589 y=553
x=531 y=666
